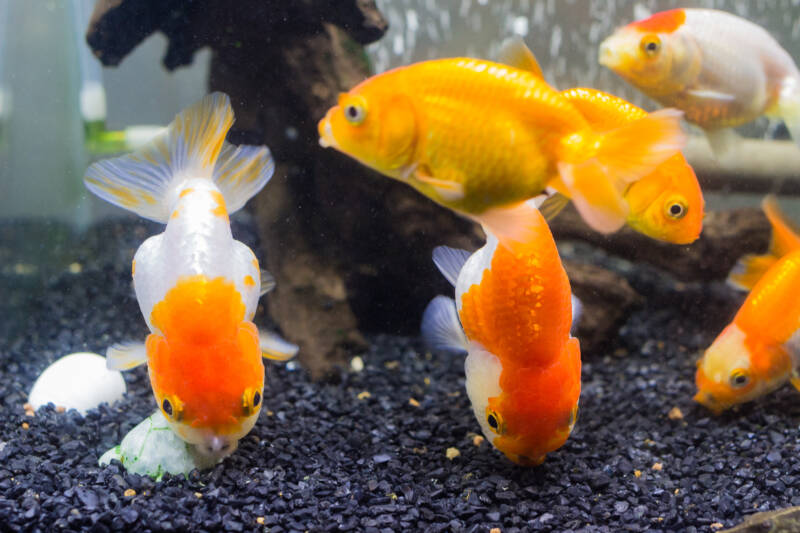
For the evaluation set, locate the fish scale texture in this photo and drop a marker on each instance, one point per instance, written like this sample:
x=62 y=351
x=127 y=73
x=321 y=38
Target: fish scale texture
x=325 y=460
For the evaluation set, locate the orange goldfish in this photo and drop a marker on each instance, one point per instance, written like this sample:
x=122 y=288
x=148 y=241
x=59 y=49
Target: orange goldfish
x=785 y=239
x=721 y=70
x=482 y=137
x=666 y=204
x=197 y=287
x=512 y=317
x=754 y=354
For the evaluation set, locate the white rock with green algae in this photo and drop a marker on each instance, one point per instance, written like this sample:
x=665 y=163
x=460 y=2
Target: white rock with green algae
x=153 y=449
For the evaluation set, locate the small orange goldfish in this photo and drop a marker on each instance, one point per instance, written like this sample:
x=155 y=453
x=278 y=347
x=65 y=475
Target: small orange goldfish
x=754 y=354
x=523 y=369
x=482 y=137
x=666 y=204
x=197 y=287
x=721 y=70
x=785 y=239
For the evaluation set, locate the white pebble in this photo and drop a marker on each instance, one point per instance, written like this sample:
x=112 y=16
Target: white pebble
x=78 y=381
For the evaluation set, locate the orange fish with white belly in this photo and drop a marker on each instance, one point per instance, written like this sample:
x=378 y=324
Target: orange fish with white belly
x=512 y=317
x=197 y=287
x=481 y=138
x=721 y=70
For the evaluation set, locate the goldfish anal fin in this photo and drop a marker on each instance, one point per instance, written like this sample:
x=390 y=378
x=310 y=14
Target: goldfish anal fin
x=125 y=355
x=242 y=171
x=275 y=347
x=515 y=53
x=749 y=269
x=145 y=181
x=553 y=205
x=600 y=204
x=449 y=191
x=722 y=142
x=441 y=328
x=449 y=261
x=785 y=233
x=267 y=283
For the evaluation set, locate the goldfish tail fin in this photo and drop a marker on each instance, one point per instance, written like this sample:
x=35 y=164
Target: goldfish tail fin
x=623 y=156
x=785 y=239
x=275 y=347
x=441 y=328
x=146 y=181
x=242 y=171
x=449 y=261
x=512 y=225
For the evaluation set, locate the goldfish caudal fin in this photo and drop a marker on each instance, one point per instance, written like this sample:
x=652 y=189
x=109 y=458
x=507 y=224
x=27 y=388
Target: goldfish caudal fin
x=520 y=223
x=148 y=181
x=785 y=239
x=441 y=328
x=623 y=156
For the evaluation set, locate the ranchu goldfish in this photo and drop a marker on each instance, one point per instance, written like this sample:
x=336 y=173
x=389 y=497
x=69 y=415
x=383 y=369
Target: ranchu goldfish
x=757 y=352
x=512 y=317
x=481 y=138
x=666 y=204
x=721 y=70
x=197 y=287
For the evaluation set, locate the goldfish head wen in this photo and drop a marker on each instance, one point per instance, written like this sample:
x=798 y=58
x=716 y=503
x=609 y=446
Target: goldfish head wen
x=206 y=366
x=737 y=369
x=373 y=124
x=535 y=411
x=651 y=54
x=667 y=204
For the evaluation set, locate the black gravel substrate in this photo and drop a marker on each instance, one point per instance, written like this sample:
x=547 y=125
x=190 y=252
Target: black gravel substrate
x=366 y=451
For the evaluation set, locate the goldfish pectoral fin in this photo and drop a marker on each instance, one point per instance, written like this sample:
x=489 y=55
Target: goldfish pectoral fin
x=449 y=191
x=515 y=53
x=577 y=311
x=519 y=223
x=441 y=328
x=634 y=150
x=749 y=269
x=712 y=97
x=795 y=380
x=553 y=205
x=241 y=172
x=722 y=141
x=275 y=347
x=599 y=203
x=267 y=283
x=145 y=181
x=125 y=355
x=449 y=261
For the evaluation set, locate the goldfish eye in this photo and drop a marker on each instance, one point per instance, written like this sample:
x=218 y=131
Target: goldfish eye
x=650 y=45
x=676 y=209
x=355 y=113
x=495 y=421
x=739 y=378
x=251 y=399
x=173 y=408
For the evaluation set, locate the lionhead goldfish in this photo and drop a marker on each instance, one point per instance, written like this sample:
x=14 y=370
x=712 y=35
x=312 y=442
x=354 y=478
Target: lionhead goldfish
x=720 y=69
x=197 y=287
x=523 y=369
x=482 y=137
x=757 y=352
x=666 y=204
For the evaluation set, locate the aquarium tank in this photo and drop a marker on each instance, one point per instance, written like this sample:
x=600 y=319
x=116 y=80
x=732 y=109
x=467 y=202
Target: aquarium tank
x=373 y=265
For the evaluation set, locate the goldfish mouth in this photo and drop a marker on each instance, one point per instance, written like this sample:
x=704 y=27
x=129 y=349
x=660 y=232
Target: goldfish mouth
x=606 y=55
x=709 y=402
x=325 y=130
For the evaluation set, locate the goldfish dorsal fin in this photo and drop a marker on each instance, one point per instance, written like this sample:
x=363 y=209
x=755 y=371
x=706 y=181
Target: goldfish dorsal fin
x=449 y=261
x=267 y=283
x=147 y=181
x=441 y=328
x=125 y=355
x=275 y=347
x=515 y=53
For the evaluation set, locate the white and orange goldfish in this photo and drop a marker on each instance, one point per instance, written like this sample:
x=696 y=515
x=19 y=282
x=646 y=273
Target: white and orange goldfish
x=721 y=70
x=512 y=317
x=758 y=352
x=482 y=138
x=197 y=287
